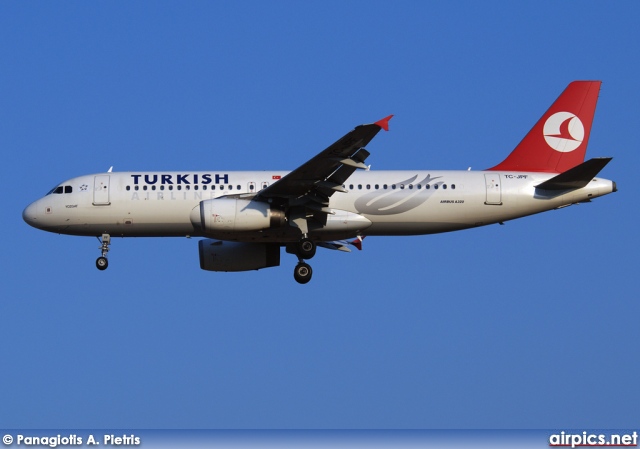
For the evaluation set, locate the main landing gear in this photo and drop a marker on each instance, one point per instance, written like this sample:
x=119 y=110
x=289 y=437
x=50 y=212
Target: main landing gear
x=304 y=249
x=302 y=272
x=101 y=262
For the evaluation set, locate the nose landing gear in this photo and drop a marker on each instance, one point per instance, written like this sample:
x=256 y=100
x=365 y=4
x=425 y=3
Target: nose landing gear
x=101 y=262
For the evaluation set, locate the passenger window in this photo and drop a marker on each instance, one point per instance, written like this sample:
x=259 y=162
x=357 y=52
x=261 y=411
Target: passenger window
x=428 y=186
x=410 y=186
x=435 y=186
x=144 y=187
x=377 y=186
x=384 y=187
x=453 y=186
x=153 y=187
x=444 y=186
x=368 y=186
x=393 y=186
x=195 y=187
x=402 y=186
x=128 y=188
x=238 y=187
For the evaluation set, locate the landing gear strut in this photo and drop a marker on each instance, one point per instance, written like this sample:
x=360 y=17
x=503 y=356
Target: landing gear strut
x=101 y=262
x=305 y=249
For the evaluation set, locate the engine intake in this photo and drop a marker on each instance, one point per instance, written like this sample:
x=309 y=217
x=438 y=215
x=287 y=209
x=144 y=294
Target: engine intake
x=233 y=214
x=217 y=255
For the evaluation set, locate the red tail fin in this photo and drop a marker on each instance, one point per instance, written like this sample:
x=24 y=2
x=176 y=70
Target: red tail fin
x=559 y=140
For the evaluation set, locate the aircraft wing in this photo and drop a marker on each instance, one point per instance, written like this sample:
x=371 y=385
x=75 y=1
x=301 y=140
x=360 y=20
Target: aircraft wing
x=343 y=245
x=320 y=177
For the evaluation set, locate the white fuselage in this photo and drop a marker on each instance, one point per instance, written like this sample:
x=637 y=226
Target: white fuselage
x=131 y=204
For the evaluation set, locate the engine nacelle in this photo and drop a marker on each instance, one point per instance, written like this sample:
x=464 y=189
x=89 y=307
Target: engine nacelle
x=216 y=255
x=233 y=214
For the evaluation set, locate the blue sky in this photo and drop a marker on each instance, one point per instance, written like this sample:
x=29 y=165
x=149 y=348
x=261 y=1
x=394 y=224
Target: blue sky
x=529 y=325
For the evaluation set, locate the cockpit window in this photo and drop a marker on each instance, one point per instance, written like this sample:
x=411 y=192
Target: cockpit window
x=60 y=189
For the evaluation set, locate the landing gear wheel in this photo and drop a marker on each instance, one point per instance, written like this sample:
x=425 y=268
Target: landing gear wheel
x=306 y=248
x=102 y=263
x=302 y=273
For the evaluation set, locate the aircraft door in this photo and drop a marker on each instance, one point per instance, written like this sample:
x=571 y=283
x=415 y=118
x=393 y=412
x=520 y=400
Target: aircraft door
x=494 y=189
x=101 y=190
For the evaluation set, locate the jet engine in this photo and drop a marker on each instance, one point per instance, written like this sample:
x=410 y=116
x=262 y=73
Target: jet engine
x=233 y=214
x=218 y=255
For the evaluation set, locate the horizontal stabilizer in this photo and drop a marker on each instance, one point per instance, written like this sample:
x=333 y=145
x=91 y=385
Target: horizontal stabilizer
x=576 y=177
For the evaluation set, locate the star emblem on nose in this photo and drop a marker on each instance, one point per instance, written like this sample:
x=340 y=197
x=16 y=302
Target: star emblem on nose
x=84 y=187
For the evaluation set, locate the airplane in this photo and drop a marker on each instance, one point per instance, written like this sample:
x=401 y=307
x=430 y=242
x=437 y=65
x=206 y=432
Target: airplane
x=333 y=200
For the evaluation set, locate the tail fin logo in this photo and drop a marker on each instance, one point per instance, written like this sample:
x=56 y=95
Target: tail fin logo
x=563 y=132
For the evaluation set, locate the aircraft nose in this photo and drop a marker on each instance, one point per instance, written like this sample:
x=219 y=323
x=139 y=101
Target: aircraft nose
x=30 y=215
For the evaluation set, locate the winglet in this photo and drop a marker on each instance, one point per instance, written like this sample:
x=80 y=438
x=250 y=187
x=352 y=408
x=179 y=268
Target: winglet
x=358 y=241
x=384 y=123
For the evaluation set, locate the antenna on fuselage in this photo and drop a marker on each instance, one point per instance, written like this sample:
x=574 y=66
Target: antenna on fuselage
x=110 y=168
